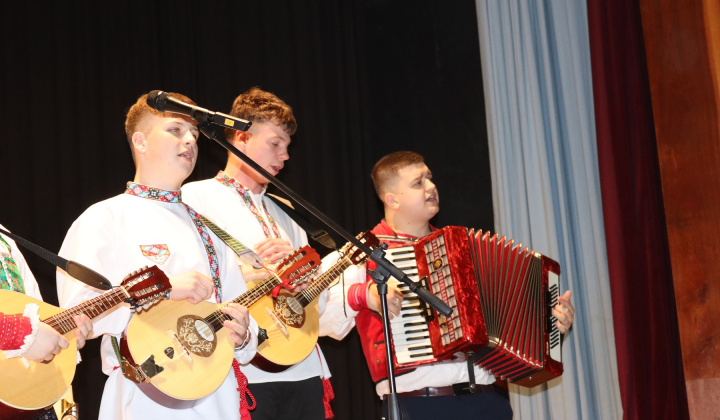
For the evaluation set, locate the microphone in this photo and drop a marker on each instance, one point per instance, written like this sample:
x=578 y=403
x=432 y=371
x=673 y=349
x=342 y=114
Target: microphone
x=164 y=102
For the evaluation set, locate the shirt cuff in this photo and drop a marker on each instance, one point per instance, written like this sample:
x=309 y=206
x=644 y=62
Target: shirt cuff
x=31 y=313
x=357 y=295
x=245 y=354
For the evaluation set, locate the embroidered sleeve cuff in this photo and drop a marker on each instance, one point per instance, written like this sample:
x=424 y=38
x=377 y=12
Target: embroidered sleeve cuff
x=13 y=329
x=29 y=318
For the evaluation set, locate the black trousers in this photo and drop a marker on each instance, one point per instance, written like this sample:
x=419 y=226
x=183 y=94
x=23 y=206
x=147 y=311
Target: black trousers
x=481 y=406
x=301 y=400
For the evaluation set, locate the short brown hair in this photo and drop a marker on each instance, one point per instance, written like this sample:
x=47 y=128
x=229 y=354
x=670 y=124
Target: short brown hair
x=257 y=105
x=140 y=110
x=388 y=167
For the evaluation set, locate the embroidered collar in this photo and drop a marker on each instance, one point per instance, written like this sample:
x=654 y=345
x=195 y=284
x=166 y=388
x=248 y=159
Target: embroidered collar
x=270 y=232
x=228 y=181
x=144 y=191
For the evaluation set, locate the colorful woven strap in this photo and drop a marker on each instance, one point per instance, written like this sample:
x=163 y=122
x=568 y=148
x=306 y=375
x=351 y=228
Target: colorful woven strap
x=245 y=254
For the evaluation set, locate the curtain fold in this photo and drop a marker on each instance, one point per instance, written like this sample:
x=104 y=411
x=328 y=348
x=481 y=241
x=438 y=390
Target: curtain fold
x=546 y=189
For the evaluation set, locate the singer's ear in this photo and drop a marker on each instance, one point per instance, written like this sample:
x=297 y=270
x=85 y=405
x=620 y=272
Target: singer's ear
x=242 y=136
x=391 y=201
x=138 y=141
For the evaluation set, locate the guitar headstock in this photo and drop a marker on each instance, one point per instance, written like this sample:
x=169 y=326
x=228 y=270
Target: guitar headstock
x=146 y=286
x=297 y=268
x=355 y=255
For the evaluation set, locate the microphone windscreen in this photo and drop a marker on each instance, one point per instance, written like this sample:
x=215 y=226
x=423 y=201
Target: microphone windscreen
x=157 y=99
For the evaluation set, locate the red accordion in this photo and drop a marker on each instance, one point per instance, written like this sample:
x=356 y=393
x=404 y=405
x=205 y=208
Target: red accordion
x=502 y=297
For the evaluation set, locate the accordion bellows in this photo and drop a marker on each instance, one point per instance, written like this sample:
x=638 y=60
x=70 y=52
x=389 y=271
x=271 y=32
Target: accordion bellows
x=502 y=297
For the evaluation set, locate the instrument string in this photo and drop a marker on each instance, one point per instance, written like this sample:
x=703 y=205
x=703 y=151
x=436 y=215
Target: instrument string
x=324 y=280
x=63 y=322
x=246 y=299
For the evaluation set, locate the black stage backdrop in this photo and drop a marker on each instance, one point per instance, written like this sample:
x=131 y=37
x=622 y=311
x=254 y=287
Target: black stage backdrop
x=365 y=78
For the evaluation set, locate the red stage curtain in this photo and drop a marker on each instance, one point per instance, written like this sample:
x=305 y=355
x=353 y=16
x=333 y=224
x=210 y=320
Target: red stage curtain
x=646 y=334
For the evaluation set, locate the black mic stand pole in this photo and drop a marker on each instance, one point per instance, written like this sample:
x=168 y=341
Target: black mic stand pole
x=380 y=276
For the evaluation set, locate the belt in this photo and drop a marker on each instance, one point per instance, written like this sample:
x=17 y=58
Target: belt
x=444 y=391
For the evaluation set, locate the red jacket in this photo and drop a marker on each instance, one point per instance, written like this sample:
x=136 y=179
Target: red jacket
x=369 y=324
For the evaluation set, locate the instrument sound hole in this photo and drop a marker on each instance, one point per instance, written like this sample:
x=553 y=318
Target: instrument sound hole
x=294 y=305
x=196 y=335
x=289 y=311
x=204 y=330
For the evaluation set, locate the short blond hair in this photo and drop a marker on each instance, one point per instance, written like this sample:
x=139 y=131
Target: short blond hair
x=138 y=113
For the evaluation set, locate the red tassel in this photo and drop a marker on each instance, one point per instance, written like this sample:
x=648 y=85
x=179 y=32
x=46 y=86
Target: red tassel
x=243 y=389
x=328 y=395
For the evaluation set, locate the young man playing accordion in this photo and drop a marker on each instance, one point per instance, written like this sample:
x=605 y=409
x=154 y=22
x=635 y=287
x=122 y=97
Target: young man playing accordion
x=404 y=184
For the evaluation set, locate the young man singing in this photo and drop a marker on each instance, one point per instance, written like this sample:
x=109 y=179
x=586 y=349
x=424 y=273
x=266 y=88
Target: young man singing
x=149 y=224
x=235 y=200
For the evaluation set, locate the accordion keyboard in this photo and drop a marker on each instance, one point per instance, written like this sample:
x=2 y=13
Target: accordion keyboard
x=410 y=334
x=554 y=294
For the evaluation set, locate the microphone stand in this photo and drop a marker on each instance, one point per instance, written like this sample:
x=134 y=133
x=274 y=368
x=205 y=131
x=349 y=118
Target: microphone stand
x=384 y=267
x=380 y=276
